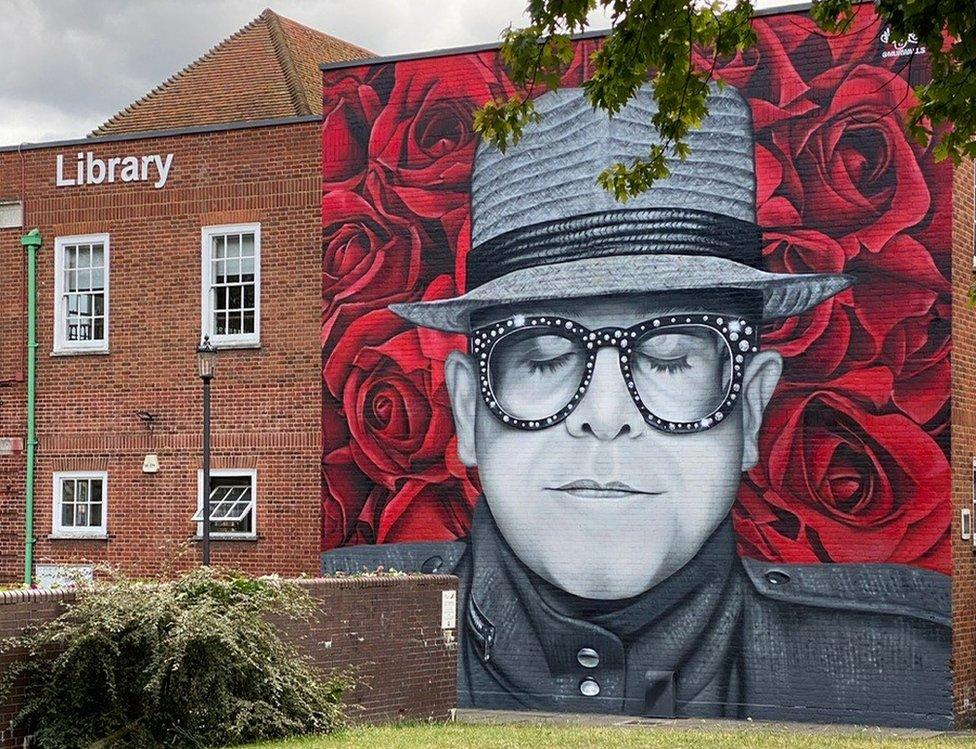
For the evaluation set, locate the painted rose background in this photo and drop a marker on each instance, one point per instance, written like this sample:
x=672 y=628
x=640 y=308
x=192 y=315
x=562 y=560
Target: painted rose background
x=854 y=446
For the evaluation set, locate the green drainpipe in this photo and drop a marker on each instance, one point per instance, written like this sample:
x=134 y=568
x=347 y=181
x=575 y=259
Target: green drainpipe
x=32 y=243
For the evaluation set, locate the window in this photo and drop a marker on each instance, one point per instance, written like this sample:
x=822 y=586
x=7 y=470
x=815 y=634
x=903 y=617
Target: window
x=81 y=294
x=80 y=504
x=231 y=274
x=232 y=503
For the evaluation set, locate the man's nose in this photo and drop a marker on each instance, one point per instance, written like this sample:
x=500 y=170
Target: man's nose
x=607 y=411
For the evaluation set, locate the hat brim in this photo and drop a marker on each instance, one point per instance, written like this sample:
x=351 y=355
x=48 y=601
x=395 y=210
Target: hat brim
x=784 y=294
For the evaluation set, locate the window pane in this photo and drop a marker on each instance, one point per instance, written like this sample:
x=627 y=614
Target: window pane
x=82 y=494
x=220 y=320
x=81 y=516
x=67 y=490
x=67 y=515
x=98 y=256
x=96 y=490
x=247 y=269
x=98 y=329
x=98 y=279
x=99 y=304
x=233 y=270
x=248 y=321
x=220 y=298
x=249 y=296
x=84 y=256
x=70 y=280
x=234 y=323
x=96 y=515
x=84 y=280
x=70 y=258
x=234 y=297
x=218 y=247
x=234 y=245
x=247 y=245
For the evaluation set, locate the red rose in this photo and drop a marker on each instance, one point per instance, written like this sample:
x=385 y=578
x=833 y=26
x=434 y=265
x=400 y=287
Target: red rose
x=399 y=419
x=812 y=50
x=423 y=142
x=764 y=75
x=352 y=99
x=850 y=169
x=848 y=485
x=847 y=338
x=369 y=254
x=347 y=495
x=424 y=511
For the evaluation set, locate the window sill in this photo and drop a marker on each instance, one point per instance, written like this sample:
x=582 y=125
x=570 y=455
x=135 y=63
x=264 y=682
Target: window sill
x=222 y=537
x=78 y=536
x=80 y=352
x=231 y=345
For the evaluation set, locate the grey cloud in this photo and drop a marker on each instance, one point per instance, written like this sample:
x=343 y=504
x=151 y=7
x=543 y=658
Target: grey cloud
x=69 y=65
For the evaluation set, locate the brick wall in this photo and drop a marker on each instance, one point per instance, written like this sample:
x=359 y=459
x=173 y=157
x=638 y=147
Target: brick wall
x=387 y=630
x=963 y=446
x=266 y=402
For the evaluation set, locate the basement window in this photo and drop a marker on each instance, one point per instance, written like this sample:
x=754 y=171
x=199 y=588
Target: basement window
x=81 y=294
x=80 y=504
x=231 y=293
x=232 y=503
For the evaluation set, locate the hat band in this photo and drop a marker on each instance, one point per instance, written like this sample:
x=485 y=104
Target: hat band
x=651 y=231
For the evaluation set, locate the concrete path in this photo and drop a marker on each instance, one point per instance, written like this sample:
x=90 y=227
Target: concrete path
x=464 y=715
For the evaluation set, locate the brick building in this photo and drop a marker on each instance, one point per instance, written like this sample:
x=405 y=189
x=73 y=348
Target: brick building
x=237 y=205
x=220 y=161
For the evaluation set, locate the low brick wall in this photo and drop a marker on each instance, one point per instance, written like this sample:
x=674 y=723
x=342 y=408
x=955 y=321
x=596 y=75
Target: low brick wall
x=387 y=630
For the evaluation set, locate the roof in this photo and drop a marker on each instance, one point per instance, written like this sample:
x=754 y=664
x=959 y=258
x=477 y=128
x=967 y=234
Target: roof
x=267 y=70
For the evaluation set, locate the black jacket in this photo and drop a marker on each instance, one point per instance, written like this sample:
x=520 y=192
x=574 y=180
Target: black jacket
x=722 y=637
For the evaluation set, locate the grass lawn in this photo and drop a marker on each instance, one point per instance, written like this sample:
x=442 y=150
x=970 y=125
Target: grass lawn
x=461 y=736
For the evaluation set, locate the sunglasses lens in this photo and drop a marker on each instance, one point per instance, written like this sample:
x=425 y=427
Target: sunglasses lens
x=535 y=372
x=682 y=373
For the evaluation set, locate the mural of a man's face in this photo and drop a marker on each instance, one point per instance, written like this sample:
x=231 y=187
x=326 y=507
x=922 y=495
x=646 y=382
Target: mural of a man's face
x=601 y=504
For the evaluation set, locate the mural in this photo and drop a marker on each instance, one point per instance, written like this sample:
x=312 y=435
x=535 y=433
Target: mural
x=687 y=455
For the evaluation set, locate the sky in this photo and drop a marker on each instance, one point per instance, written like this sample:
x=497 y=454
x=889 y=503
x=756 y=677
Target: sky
x=69 y=65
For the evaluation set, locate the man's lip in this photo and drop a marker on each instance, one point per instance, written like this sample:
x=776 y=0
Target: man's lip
x=590 y=488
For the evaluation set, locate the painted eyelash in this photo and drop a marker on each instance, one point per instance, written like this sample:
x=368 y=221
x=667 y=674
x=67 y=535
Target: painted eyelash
x=549 y=365
x=668 y=365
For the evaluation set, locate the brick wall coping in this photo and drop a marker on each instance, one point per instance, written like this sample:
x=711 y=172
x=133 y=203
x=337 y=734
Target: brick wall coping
x=380 y=581
x=41 y=595
x=36 y=595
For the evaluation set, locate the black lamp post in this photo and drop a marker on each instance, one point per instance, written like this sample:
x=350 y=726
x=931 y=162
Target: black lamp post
x=206 y=367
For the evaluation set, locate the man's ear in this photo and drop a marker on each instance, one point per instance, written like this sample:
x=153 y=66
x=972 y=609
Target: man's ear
x=758 y=384
x=462 y=386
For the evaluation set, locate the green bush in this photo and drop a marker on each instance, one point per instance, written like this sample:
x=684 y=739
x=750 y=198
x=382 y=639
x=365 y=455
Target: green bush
x=193 y=662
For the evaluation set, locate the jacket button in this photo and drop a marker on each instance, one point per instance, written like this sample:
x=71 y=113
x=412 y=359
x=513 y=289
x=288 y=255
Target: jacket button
x=588 y=658
x=776 y=577
x=589 y=687
x=431 y=565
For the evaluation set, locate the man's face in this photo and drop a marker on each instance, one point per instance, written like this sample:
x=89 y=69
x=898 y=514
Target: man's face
x=601 y=504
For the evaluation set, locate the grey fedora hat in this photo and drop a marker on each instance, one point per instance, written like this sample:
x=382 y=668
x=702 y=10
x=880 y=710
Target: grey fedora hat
x=543 y=229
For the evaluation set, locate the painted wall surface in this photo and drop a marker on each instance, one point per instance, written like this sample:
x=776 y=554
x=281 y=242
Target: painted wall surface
x=694 y=461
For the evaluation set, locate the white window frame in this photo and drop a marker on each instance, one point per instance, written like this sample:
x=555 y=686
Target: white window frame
x=242 y=340
x=252 y=474
x=60 y=531
x=61 y=344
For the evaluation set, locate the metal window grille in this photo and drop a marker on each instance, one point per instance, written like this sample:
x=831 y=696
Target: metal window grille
x=233 y=283
x=83 y=296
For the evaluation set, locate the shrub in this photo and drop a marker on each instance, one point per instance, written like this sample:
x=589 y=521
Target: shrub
x=192 y=662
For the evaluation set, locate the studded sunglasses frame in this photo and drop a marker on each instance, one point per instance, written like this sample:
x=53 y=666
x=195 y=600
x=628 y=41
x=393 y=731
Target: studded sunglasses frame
x=740 y=336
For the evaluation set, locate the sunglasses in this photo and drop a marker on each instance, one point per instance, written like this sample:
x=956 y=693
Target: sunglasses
x=683 y=372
